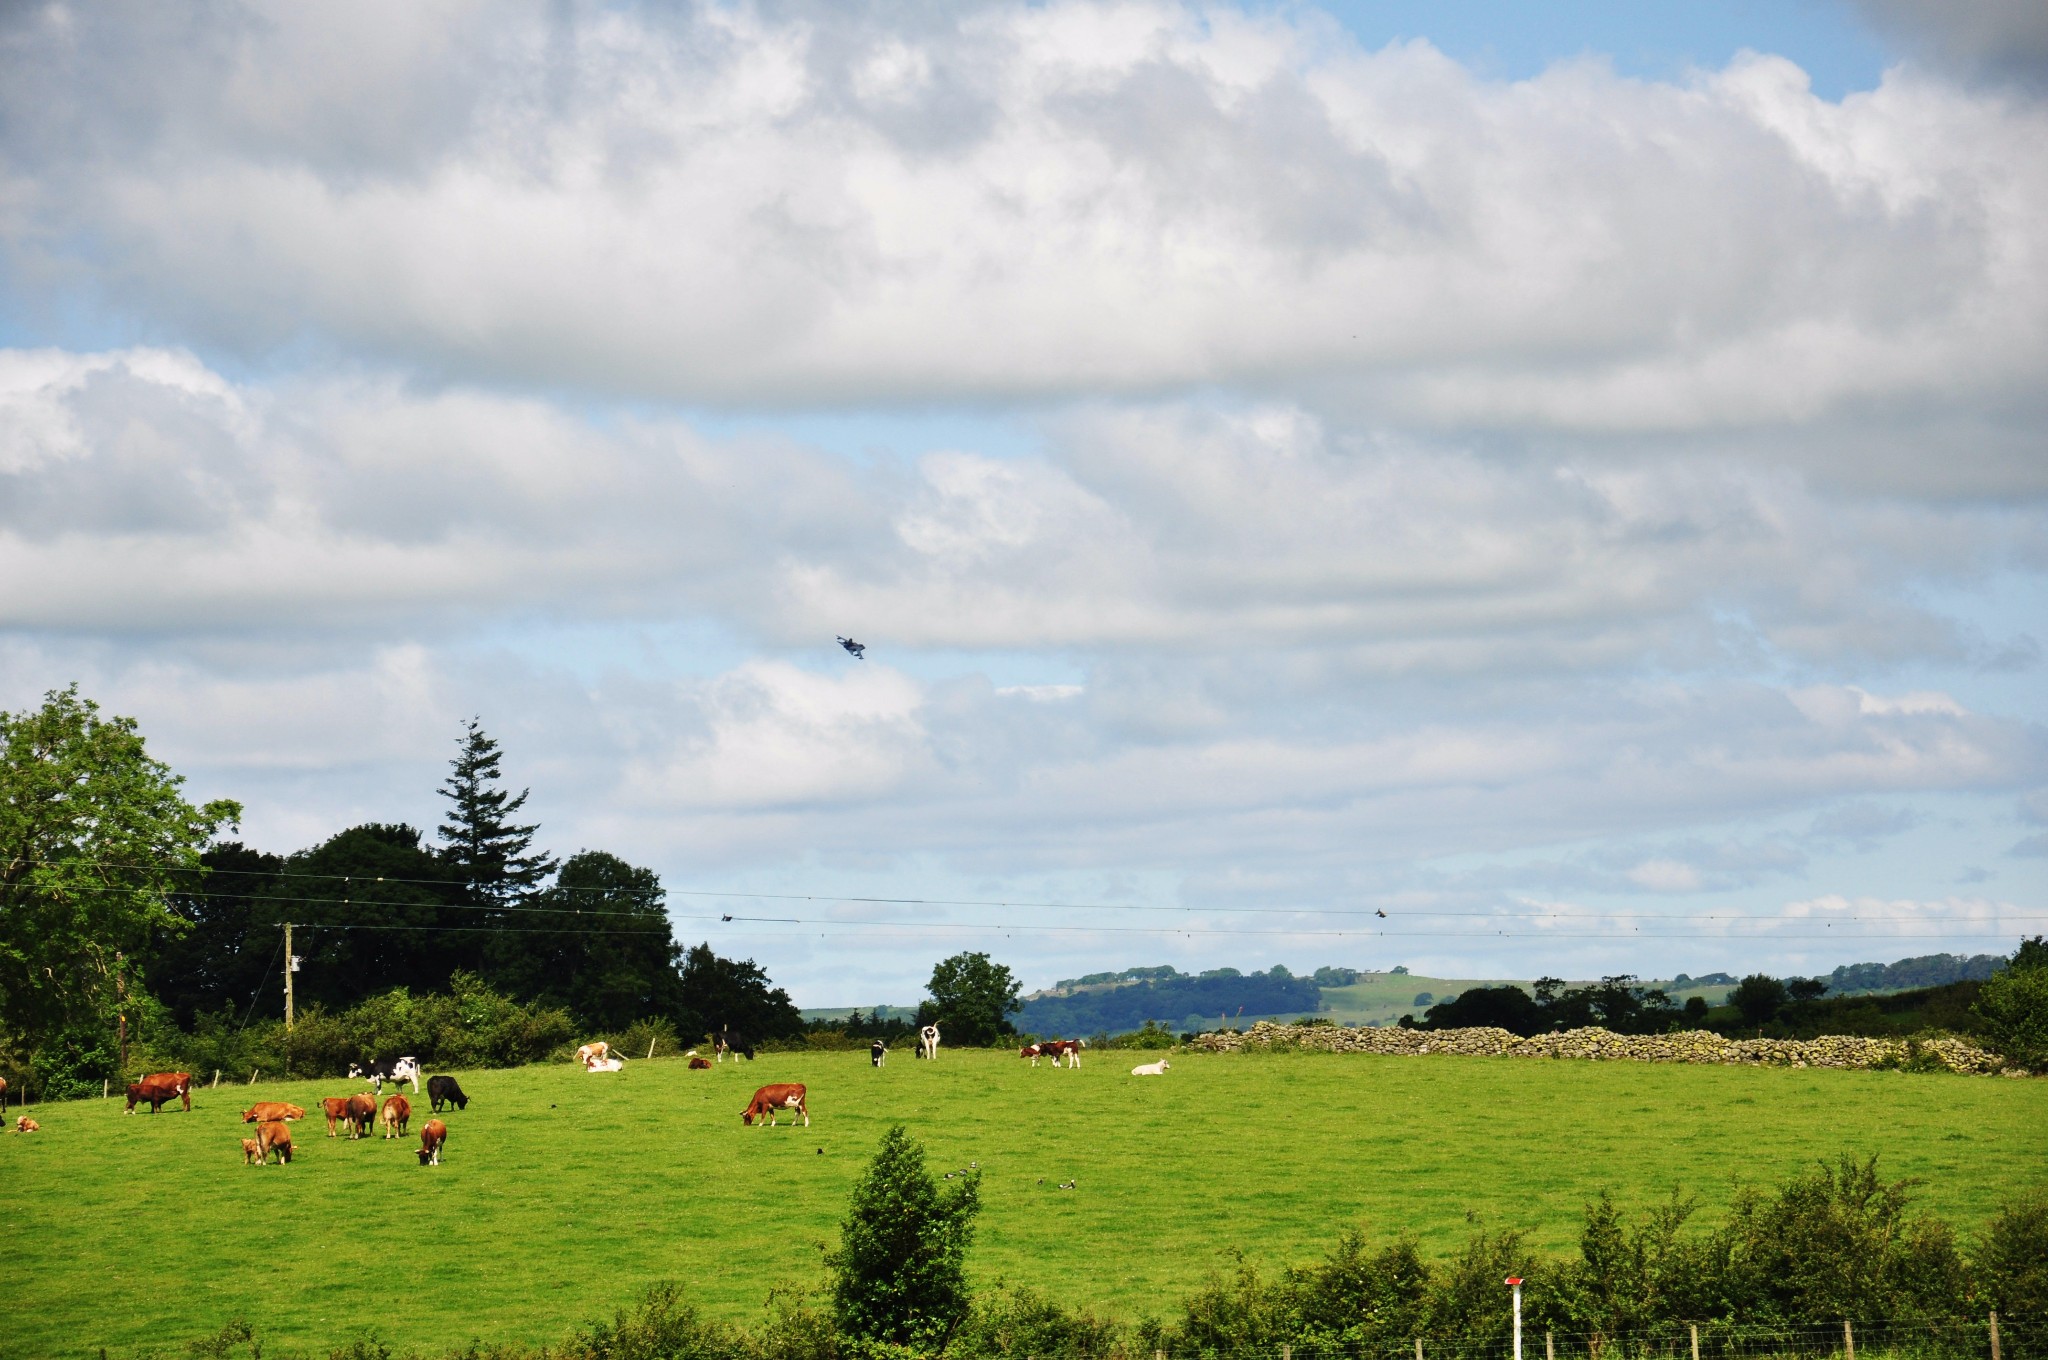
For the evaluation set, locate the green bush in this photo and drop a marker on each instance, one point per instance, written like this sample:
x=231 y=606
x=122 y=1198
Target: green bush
x=2012 y=1007
x=899 y=1273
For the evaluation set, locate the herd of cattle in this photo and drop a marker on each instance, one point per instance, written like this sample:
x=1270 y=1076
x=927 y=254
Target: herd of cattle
x=357 y=1113
x=272 y=1145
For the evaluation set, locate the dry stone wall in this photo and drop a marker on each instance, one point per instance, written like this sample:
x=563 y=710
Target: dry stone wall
x=1690 y=1046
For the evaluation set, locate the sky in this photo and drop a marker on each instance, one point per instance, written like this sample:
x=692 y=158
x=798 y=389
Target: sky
x=1488 y=488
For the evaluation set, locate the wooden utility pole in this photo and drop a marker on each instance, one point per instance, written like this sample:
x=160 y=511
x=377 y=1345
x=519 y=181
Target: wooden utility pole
x=288 y=962
x=1994 y=1334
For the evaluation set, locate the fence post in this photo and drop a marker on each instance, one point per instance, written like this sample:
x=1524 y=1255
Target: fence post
x=1848 y=1340
x=1994 y=1334
x=252 y=1075
x=1695 y=1339
x=103 y=1088
x=1418 y=1348
x=1286 y=1351
x=216 y=1079
x=1548 y=1353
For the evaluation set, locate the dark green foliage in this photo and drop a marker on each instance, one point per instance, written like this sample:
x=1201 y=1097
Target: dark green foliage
x=716 y=993
x=660 y=1327
x=1836 y=1243
x=1617 y=1003
x=1758 y=998
x=898 y=1275
x=492 y=855
x=2012 y=1269
x=2013 y=1007
x=972 y=1000
x=586 y=956
x=404 y=909
x=228 y=955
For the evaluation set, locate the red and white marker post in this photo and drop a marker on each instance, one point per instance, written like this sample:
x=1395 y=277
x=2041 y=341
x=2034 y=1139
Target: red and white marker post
x=1515 y=1284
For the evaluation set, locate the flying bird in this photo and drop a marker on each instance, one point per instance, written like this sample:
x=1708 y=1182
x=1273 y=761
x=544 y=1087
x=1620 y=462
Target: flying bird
x=858 y=650
x=1382 y=915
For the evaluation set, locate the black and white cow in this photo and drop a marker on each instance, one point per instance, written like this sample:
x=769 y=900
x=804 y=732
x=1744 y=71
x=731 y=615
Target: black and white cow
x=725 y=1041
x=877 y=1052
x=393 y=1070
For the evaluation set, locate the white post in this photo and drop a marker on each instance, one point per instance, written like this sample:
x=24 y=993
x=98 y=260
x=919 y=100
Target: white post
x=1516 y=1285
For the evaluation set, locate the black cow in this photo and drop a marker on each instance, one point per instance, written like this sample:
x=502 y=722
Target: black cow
x=446 y=1089
x=725 y=1041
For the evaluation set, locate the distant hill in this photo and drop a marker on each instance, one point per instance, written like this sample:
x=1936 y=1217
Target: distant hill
x=1114 y=1003
x=1926 y=970
x=1118 y=1001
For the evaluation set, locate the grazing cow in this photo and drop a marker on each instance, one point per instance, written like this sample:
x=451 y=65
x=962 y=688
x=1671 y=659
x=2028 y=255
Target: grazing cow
x=263 y=1111
x=700 y=1064
x=1069 y=1049
x=26 y=1125
x=928 y=1042
x=159 y=1089
x=432 y=1135
x=276 y=1136
x=252 y=1152
x=877 y=1053
x=440 y=1089
x=782 y=1095
x=397 y=1114
x=593 y=1053
x=1157 y=1069
x=393 y=1070
x=725 y=1041
x=1031 y=1051
x=362 y=1112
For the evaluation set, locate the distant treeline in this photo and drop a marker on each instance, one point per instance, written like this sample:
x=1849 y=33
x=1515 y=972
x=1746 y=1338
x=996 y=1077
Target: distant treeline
x=1175 y=999
x=1928 y=970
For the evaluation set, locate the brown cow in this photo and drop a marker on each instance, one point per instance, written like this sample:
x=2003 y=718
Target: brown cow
x=336 y=1108
x=362 y=1112
x=700 y=1064
x=252 y=1152
x=159 y=1089
x=263 y=1111
x=397 y=1114
x=432 y=1134
x=26 y=1125
x=782 y=1095
x=275 y=1136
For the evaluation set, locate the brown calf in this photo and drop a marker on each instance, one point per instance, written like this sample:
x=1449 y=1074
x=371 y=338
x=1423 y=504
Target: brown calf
x=397 y=1114
x=700 y=1064
x=252 y=1152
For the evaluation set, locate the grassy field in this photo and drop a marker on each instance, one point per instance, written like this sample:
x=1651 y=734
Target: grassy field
x=563 y=1193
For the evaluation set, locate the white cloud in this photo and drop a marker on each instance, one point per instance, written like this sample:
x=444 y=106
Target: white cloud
x=1040 y=201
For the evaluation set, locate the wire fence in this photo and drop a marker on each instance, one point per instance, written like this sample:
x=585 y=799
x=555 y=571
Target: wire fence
x=1991 y=1337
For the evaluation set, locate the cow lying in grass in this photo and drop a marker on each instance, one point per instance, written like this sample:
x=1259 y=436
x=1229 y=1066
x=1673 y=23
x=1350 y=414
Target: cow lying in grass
x=26 y=1125
x=1157 y=1069
x=700 y=1064
x=771 y=1100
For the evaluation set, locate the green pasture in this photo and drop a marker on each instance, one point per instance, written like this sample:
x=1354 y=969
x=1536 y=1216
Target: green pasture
x=562 y=1193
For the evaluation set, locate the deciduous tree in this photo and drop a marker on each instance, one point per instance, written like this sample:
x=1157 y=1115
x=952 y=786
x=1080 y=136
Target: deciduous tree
x=95 y=837
x=972 y=999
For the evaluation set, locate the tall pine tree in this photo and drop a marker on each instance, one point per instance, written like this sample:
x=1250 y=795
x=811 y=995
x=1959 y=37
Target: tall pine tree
x=494 y=856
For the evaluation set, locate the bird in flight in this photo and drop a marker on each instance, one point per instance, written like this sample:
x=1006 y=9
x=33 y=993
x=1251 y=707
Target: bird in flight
x=858 y=650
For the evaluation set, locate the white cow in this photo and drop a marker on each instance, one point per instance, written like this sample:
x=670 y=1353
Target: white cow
x=605 y=1065
x=1157 y=1069
x=928 y=1042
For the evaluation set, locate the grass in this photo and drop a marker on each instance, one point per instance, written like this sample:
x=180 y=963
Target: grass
x=563 y=1194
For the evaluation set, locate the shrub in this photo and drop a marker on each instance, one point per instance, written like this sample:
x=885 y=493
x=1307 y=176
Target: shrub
x=2012 y=1266
x=2013 y=1007
x=898 y=1275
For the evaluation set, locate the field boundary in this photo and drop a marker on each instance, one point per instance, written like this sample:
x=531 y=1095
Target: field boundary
x=1843 y=1052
